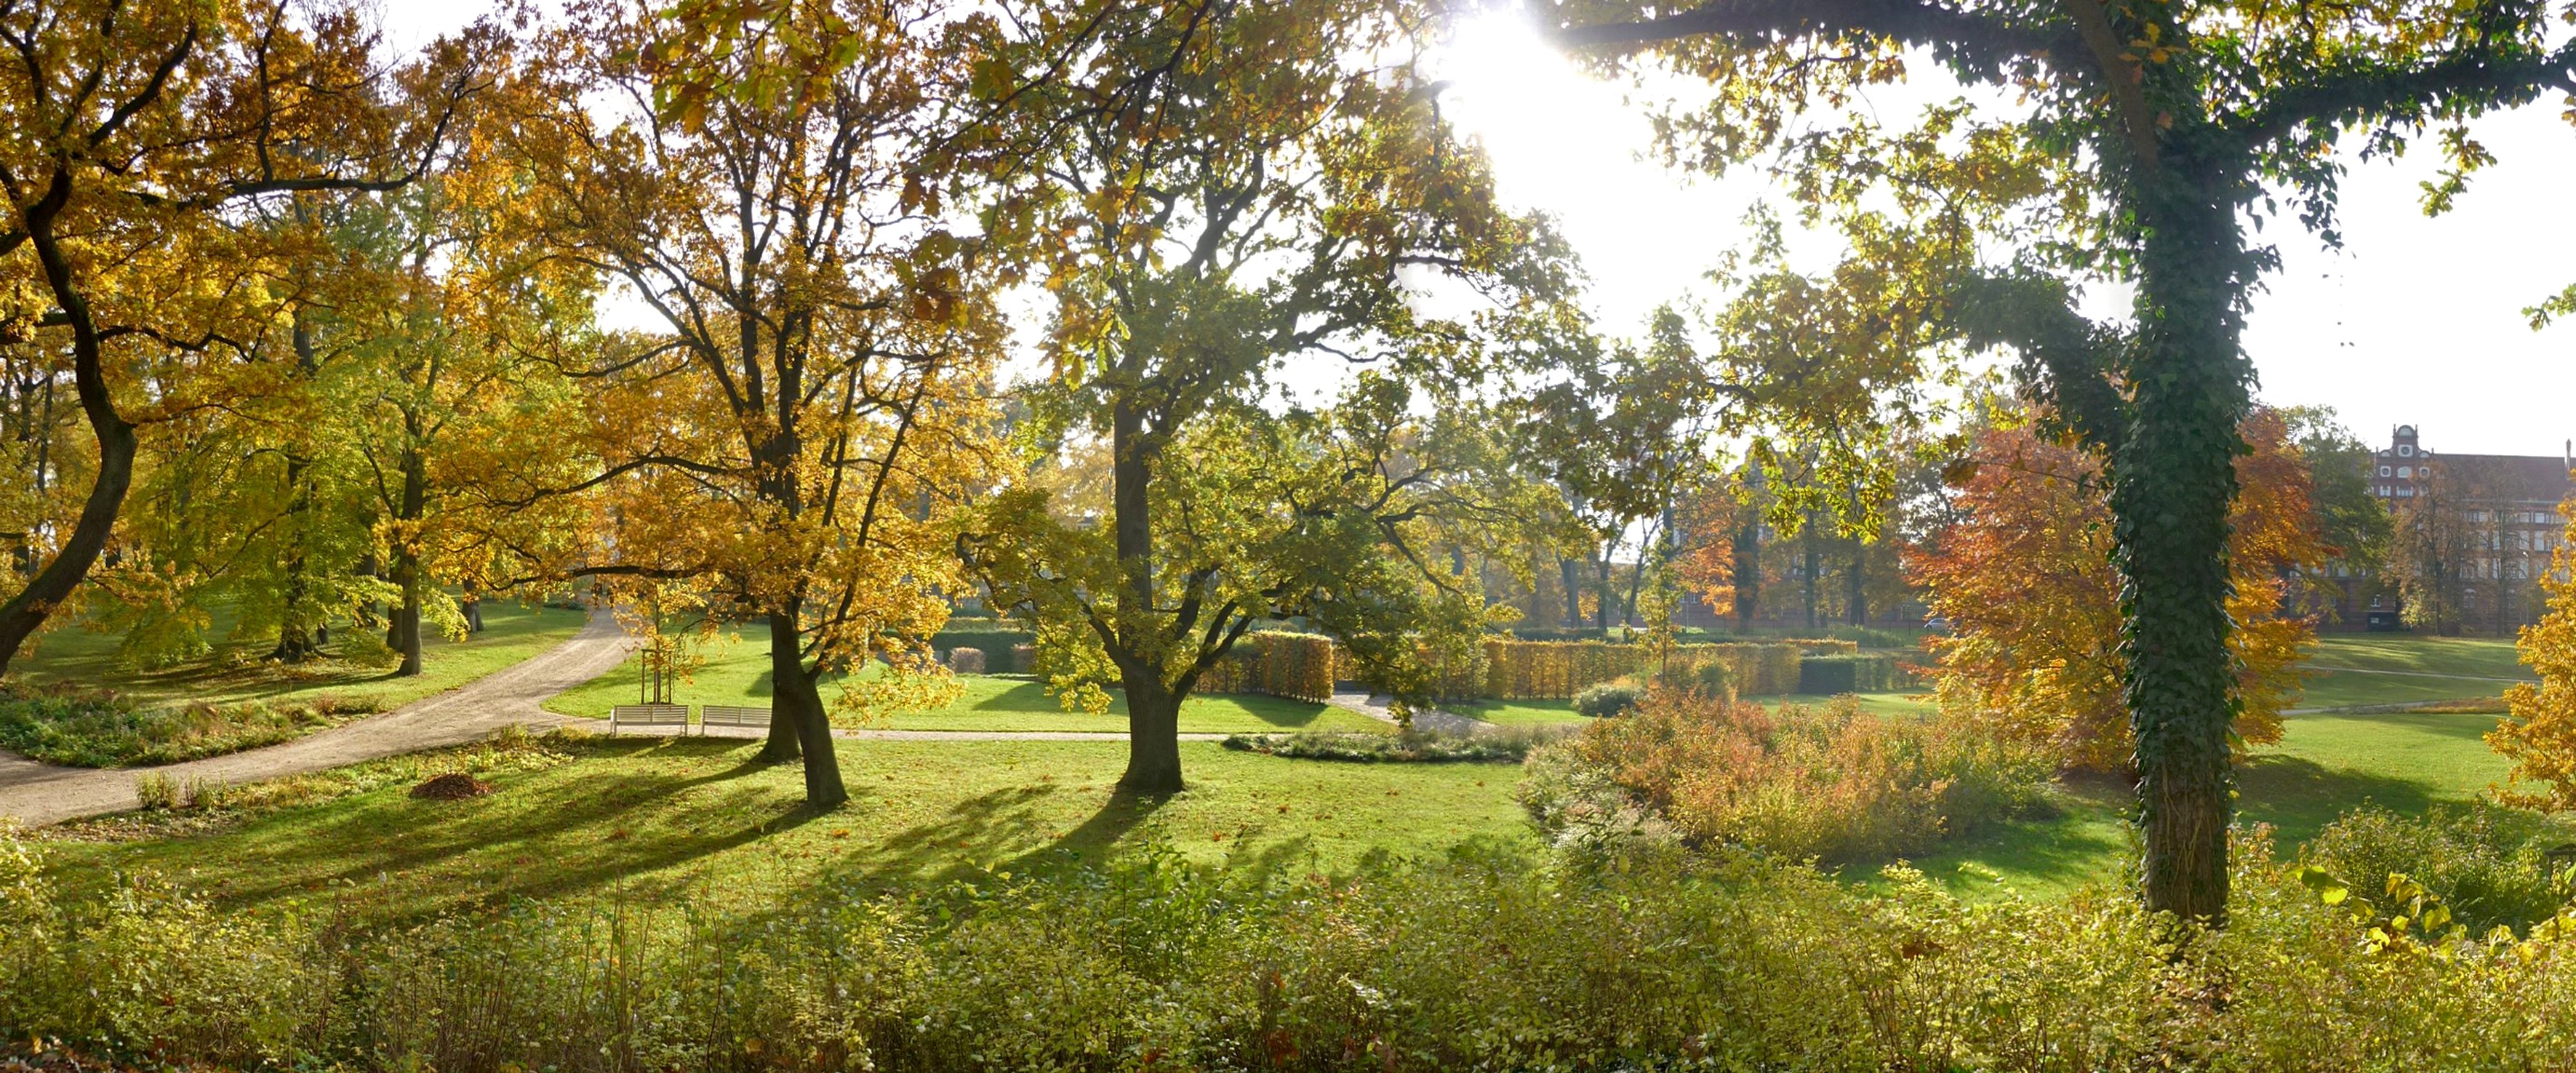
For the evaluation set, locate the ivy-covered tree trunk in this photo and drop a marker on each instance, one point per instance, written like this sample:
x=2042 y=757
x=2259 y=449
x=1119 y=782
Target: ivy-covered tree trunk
x=2173 y=477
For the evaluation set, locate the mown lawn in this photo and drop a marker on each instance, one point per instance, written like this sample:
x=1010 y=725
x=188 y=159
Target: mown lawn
x=2352 y=670
x=1521 y=713
x=512 y=633
x=737 y=672
x=2325 y=765
x=696 y=820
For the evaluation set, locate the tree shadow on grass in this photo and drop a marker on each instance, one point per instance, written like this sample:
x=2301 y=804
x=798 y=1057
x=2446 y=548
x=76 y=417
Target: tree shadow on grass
x=546 y=840
x=1019 y=829
x=2298 y=796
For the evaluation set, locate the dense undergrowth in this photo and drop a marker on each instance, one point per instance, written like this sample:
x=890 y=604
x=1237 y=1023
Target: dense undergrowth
x=83 y=727
x=1504 y=745
x=1482 y=961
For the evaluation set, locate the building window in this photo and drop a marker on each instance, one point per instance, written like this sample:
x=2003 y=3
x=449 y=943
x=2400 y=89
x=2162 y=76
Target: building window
x=2405 y=450
x=2477 y=516
x=2407 y=472
x=2383 y=471
x=2405 y=492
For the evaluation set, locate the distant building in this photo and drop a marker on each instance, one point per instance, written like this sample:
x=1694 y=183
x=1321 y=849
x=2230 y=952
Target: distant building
x=2475 y=534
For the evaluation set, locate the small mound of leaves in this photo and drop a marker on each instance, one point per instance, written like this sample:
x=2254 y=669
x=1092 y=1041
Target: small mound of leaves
x=453 y=786
x=1415 y=748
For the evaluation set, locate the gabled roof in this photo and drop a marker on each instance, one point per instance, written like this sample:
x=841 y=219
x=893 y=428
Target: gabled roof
x=2523 y=478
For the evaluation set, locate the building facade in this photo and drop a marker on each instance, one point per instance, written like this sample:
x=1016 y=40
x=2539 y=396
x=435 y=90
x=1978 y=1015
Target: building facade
x=2474 y=537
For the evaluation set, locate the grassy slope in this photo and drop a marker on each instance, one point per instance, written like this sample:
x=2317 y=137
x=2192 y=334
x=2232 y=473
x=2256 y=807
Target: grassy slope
x=669 y=816
x=512 y=633
x=737 y=672
x=2402 y=668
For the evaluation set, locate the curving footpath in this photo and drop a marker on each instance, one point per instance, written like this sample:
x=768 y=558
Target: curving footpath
x=38 y=794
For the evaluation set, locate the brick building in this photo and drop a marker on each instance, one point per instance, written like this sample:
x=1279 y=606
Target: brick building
x=2474 y=533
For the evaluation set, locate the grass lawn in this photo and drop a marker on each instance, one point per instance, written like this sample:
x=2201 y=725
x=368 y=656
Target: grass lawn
x=511 y=633
x=737 y=672
x=2351 y=670
x=639 y=817
x=235 y=703
x=2325 y=765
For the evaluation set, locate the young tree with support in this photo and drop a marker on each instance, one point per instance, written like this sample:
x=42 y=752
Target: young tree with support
x=2149 y=133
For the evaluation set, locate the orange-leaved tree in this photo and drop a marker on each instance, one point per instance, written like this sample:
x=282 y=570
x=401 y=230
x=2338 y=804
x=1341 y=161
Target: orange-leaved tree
x=811 y=395
x=2027 y=582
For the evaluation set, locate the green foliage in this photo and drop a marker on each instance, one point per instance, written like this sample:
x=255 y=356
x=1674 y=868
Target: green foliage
x=1413 y=747
x=1482 y=961
x=64 y=724
x=2486 y=862
x=1606 y=699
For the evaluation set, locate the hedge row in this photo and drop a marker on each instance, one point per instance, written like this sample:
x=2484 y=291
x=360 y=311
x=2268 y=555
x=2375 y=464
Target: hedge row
x=1552 y=670
x=1299 y=666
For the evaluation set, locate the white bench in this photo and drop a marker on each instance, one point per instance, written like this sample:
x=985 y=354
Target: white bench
x=728 y=715
x=648 y=715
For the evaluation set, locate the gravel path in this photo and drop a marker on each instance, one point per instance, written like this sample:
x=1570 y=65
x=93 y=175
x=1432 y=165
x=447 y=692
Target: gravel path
x=1375 y=707
x=38 y=794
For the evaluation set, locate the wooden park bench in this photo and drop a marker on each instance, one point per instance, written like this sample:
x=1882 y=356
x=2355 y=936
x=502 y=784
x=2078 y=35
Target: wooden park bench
x=728 y=715
x=648 y=715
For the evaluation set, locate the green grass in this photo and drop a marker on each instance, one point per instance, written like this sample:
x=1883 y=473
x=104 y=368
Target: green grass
x=512 y=633
x=737 y=672
x=2325 y=765
x=2354 y=670
x=232 y=704
x=695 y=818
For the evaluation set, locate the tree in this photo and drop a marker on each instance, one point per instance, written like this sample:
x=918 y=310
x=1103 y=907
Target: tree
x=2355 y=526
x=812 y=401
x=2538 y=732
x=139 y=140
x=2027 y=581
x=1216 y=190
x=2144 y=136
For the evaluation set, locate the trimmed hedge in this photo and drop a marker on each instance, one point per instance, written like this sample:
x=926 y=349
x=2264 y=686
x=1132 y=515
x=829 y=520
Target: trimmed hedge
x=1851 y=673
x=1555 y=670
x=1299 y=666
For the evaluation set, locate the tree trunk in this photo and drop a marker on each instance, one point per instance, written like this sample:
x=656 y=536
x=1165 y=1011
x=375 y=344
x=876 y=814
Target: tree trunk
x=2173 y=477
x=1748 y=574
x=1153 y=710
x=473 y=615
x=1573 y=592
x=403 y=635
x=1859 y=595
x=295 y=642
x=25 y=612
x=1813 y=551
x=1601 y=592
x=798 y=702
x=1153 y=736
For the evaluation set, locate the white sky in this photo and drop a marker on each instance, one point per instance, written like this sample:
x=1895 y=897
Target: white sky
x=2414 y=321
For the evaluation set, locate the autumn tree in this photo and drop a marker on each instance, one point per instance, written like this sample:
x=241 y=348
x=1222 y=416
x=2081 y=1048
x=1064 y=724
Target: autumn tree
x=2538 y=732
x=1215 y=192
x=795 y=427
x=2141 y=139
x=2027 y=580
x=143 y=142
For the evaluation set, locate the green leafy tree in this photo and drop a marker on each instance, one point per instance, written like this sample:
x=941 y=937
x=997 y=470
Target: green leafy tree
x=2143 y=137
x=1217 y=192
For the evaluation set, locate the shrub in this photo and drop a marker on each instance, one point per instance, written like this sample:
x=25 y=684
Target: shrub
x=1000 y=646
x=1608 y=699
x=1507 y=746
x=156 y=790
x=1300 y=666
x=966 y=660
x=1831 y=782
x=1548 y=670
x=96 y=728
x=2485 y=861
x=1825 y=646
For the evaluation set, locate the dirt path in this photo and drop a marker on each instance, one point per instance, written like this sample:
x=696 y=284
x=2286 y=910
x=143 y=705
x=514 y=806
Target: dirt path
x=39 y=794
